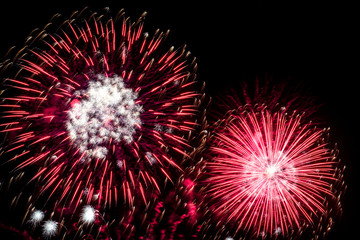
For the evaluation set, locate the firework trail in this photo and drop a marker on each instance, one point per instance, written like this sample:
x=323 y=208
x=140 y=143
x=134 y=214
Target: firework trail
x=271 y=173
x=175 y=216
x=98 y=113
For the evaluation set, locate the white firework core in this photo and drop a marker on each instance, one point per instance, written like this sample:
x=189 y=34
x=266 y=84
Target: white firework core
x=36 y=217
x=49 y=228
x=88 y=214
x=107 y=110
x=271 y=171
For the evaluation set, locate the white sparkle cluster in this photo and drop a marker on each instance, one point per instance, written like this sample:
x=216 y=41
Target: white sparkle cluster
x=107 y=110
x=88 y=214
x=50 y=228
x=36 y=217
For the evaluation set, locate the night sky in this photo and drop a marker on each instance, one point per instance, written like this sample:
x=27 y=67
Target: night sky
x=306 y=43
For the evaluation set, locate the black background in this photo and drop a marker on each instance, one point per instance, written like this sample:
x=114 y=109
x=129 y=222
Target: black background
x=305 y=42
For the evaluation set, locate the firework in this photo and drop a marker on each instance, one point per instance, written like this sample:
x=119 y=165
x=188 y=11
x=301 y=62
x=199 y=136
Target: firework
x=98 y=113
x=50 y=228
x=88 y=214
x=36 y=217
x=270 y=173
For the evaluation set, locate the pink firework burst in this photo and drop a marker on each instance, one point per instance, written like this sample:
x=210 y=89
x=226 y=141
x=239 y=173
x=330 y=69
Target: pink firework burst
x=271 y=173
x=98 y=111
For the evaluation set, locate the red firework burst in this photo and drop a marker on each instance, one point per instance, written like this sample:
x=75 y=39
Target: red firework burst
x=99 y=111
x=271 y=173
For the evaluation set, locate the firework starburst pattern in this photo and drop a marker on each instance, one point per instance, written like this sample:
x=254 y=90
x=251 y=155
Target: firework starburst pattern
x=272 y=172
x=105 y=137
x=100 y=112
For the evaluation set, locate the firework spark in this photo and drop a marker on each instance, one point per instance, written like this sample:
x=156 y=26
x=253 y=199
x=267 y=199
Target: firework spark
x=36 y=217
x=270 y=173
x=50 y=228
x=99 y=111
x=88 y=214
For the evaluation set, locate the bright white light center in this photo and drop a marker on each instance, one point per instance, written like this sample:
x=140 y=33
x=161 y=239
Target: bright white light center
x=88 y=214
x=50 y=227
x=36 y=217
x=271 y=171
x=105 y=110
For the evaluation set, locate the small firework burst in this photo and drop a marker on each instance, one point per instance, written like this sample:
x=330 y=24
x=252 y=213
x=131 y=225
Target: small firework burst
x=88 y=214
x=99 y=112
x=36 y=217
x=50 y=228
x=270 y=173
